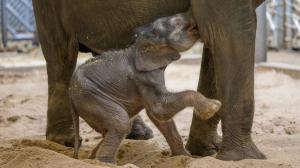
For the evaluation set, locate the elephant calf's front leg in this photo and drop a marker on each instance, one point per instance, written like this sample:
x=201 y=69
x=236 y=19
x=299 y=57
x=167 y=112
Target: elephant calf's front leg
x=168 y=104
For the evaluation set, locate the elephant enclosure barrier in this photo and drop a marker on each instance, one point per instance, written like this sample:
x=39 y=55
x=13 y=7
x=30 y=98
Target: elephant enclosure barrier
x=283 y=18
x=17 y=21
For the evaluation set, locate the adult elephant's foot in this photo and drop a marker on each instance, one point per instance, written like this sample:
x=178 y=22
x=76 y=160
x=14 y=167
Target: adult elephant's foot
x=204 y=147
x=64 y=137
x=247 y=150
x=139 y=130
x=204 y=139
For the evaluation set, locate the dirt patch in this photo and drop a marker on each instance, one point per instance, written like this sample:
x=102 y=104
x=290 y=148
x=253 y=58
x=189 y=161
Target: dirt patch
x=23 y=103
x=146 y=154
x=40 y=158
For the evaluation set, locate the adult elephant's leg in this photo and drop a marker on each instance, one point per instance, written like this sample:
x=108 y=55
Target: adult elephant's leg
x=61 y=61
x=60 y=52
x=203 y=139
x=229 y=31
x=60 y=65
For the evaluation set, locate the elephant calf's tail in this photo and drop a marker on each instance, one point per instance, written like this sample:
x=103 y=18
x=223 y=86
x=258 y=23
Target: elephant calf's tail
x=76 y=129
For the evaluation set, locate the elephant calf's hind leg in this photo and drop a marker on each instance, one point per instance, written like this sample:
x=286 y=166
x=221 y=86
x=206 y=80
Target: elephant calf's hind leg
x=109 y=146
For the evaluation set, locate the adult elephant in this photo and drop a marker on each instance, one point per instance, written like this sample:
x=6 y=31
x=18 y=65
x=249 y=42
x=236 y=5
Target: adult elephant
x=228 y=28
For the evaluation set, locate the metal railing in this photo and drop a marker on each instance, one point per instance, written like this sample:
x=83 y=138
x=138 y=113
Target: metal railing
x=17 y=21
x=284 y=24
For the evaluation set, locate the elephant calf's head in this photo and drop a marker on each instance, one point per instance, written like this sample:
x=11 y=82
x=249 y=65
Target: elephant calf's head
x=160 y=42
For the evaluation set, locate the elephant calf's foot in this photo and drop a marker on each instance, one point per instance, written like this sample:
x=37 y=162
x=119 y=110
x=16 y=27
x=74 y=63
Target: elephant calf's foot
x=208 y=109
x=107 y=159
x=238 y=153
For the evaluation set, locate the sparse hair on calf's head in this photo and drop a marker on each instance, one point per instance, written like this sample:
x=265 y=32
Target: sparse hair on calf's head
x=177 y=31
x=159 y=43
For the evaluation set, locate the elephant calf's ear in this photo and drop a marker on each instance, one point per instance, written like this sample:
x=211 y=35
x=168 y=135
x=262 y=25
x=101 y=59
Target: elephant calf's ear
x=155 y=57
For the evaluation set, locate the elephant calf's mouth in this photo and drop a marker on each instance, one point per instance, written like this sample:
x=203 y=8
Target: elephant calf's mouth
x=193 y=29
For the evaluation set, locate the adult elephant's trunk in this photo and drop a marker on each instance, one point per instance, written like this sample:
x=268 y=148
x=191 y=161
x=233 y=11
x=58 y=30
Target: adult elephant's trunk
x=228 y=30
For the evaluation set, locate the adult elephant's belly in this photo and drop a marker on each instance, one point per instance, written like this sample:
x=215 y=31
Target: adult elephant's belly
x=101 y=25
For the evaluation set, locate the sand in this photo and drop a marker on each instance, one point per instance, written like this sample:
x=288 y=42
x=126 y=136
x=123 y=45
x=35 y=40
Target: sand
x=23 y=101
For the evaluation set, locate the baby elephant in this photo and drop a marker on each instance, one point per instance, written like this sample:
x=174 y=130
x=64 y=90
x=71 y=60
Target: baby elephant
x=108 y=91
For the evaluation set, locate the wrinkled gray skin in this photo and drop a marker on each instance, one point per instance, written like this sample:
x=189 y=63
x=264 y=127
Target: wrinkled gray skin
x=108 y=91
x=227 y=28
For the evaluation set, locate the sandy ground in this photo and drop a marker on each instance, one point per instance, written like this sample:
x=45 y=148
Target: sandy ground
x=23 y=102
